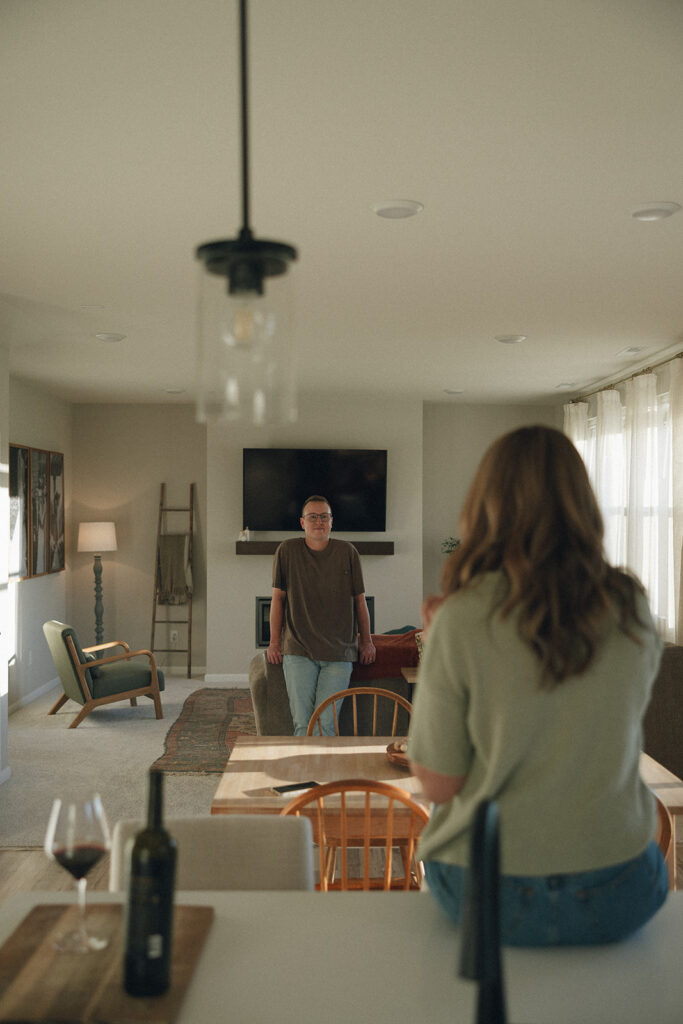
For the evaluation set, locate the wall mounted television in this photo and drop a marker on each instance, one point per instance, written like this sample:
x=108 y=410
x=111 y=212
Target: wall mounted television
x=276 y=482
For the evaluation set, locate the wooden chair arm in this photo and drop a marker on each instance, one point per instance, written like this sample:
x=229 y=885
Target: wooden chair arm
x=126 y=656
x=102 y=647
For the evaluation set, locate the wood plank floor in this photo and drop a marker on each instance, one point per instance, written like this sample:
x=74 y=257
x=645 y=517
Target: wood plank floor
x=22 y=870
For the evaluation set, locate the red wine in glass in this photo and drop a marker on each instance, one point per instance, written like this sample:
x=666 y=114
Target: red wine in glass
x=79 y=860
x=77 y=837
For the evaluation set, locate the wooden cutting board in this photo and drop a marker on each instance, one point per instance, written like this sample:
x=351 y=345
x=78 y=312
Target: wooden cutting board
x=40 y=984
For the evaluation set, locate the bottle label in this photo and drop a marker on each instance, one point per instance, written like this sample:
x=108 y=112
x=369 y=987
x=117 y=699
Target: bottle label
x=155 y=946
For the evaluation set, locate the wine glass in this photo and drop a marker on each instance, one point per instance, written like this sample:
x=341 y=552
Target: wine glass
x=77 y=837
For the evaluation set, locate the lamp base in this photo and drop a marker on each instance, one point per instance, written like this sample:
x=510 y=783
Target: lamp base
x=99 y=607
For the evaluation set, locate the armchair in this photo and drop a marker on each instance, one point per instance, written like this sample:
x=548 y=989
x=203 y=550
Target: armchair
x=93 y=681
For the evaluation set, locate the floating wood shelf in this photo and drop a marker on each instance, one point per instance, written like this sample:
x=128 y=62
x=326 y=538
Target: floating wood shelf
x=268 y=547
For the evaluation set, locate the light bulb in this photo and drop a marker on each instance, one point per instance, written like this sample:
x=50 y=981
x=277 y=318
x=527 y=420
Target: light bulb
x=243 y=327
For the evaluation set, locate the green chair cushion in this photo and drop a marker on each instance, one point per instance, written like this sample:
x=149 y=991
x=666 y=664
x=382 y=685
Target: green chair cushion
x=55 y=634
x=124 y=675
x=82 y=656
x=94 y=672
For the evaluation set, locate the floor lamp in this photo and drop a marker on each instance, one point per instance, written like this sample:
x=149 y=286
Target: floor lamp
x=97 y=537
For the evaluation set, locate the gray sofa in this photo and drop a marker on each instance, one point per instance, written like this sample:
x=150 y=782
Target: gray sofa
x=269 y=693
x=662 y=728
x=663 y=725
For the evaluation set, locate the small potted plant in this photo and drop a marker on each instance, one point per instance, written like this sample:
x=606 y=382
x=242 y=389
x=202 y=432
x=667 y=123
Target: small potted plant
x=449 y=545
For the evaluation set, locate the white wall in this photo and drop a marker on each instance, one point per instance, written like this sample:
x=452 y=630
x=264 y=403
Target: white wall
x=37 y=420
x=121 y=456
x=455 y=438
x=233 y=581
x=4 y=556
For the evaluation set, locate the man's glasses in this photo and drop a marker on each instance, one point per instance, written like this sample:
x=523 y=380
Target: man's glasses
x=320 y=517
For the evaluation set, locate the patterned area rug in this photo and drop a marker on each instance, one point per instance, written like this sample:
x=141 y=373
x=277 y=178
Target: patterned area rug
x=202 y=737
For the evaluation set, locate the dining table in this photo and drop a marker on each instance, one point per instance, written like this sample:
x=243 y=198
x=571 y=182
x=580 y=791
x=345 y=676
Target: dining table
x=380 y=958
x=258 y=763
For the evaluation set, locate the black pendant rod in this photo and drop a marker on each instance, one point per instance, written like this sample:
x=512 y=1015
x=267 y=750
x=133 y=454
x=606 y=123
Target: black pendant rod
x=245 y=116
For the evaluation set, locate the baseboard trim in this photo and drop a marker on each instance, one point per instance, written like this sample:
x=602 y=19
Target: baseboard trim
x=180 y=672
x=33 y=695
x=237 y=679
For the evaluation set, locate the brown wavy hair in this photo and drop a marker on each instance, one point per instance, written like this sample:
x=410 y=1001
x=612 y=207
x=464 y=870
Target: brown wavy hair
x=531 y=512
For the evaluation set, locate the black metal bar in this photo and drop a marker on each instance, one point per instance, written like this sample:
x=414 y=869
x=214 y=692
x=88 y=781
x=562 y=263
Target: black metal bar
x=245 y=114
x=481 y=953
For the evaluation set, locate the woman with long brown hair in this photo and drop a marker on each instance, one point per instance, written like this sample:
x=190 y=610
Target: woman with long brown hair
x=536 y=674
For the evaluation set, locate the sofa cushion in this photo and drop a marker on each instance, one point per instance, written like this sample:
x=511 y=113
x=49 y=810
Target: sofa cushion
x=394 y=652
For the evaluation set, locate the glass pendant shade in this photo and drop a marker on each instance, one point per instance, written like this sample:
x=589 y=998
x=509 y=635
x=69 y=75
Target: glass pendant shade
x=246 y=358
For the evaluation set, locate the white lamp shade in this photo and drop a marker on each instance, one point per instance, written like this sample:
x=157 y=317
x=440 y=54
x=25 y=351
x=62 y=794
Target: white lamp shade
x=96 y=537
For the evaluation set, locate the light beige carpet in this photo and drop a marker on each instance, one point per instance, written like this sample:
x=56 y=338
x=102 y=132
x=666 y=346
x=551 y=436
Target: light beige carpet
x=111 y=751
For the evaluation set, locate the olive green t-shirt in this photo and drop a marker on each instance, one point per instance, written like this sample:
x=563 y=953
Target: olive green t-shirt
x=321 y=587
x=562 y=764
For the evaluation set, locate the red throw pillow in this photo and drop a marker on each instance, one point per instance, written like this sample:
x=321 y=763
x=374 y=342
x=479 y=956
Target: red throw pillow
x=394 y=652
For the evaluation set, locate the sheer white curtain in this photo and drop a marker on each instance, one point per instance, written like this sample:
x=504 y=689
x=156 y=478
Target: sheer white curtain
x=625 y=439
x=676 y=404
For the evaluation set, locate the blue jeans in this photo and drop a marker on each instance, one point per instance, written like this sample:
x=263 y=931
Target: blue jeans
x=583 y=909
x=308 y=684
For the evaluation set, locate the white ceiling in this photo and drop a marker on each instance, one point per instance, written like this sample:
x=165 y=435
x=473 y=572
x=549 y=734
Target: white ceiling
x=530 y=130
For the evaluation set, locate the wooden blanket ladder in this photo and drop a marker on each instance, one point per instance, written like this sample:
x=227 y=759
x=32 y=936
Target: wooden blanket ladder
x=170 y=591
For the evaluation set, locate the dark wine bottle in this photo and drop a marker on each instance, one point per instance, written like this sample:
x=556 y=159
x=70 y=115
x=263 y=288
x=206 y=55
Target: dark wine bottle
x=149 y=926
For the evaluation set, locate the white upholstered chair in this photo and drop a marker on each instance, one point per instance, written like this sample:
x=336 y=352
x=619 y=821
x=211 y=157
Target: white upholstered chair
x=232 y=851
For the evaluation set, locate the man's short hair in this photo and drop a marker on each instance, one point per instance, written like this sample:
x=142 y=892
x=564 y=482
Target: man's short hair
x=315 y=497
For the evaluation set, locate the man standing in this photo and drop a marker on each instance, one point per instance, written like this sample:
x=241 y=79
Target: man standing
x=319 y=597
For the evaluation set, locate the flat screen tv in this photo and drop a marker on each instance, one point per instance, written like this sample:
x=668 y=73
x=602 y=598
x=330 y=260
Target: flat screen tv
x=276 y=482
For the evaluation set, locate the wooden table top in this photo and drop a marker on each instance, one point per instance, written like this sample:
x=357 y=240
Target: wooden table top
x=259 y=762
x=667 y=786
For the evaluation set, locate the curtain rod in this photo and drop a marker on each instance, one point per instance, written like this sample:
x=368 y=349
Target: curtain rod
x=622 y=380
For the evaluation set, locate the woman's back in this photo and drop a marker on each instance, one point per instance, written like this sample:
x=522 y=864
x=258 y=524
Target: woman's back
x=562 y=763
x=536 y=674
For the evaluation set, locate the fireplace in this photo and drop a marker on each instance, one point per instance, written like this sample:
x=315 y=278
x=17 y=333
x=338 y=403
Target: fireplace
x=263 y=619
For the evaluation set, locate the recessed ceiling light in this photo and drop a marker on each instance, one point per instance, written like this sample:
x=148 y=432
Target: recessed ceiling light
x=397 y=209
x=174 y=391
x=632 y=350
x=510 y=339
x=656 y=211
x=454 y=391
x=107 y=336
x=567 y=386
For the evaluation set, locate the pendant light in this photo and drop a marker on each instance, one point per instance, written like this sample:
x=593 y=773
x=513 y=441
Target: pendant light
x=245 y=369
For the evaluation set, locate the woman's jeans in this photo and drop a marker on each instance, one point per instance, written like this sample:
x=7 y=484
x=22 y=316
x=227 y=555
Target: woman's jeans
x=308 y=684
x=587 y=908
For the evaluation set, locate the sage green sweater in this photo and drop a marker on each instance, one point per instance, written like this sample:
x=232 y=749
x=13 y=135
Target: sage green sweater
x=563 y=764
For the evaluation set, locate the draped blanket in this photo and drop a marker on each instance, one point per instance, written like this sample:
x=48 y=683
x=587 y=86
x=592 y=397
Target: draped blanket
x=175 y=574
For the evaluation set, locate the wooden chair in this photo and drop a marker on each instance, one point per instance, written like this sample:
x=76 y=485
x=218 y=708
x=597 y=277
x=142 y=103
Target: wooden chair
x=351 y=695
x=231 y=851
x=664 y=837
x=93 y=681
x=367 y=815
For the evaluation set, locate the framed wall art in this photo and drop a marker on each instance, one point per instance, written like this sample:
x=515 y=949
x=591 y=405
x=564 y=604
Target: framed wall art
x=56 y=542
x=18 y=510
x=36 y=511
